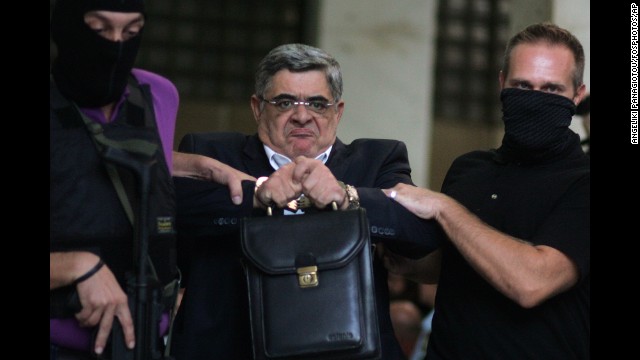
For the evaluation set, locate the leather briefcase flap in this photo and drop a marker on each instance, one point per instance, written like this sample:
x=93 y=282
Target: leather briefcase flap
x=310 y=283
x=322 y=248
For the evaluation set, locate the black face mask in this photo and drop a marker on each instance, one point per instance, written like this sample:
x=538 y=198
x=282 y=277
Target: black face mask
x=536 y=124
x=91 y=70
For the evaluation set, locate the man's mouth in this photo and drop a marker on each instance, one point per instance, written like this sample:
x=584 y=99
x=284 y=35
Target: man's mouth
x=301 y=133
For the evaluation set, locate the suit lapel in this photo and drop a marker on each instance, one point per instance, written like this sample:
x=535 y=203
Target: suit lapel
x=255 y=159
x=339 y=159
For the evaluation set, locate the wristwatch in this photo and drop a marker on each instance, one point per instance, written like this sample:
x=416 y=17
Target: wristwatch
x=352 y=196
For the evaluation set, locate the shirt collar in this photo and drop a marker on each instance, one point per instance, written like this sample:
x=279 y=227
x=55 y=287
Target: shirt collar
x=97 y=115
x=276 y=163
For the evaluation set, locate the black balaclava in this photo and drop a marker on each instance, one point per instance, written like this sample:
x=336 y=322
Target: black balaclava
x=536 y=125
x=91 y=70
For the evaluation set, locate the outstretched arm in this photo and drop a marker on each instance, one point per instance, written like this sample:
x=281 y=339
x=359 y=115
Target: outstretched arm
x=526 y=273
x=205 y=168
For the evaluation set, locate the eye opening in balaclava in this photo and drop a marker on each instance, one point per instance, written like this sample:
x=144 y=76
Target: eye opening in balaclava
x=89 y=69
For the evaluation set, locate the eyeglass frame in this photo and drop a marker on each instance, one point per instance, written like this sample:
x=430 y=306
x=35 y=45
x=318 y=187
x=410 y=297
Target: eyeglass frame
x=297 y=102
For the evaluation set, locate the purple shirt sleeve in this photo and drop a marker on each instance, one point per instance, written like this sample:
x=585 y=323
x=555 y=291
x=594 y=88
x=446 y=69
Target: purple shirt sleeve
x=165 y=104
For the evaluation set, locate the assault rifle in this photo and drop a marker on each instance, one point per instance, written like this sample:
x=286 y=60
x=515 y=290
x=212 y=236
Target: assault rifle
x=144 y=291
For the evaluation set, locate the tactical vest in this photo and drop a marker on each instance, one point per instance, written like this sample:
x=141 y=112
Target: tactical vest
x=85 y=212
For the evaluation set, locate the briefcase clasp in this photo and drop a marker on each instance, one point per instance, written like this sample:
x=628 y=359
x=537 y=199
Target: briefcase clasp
x=308 y=276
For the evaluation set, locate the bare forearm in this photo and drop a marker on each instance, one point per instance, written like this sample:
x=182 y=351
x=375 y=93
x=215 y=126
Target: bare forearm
x=66 y=267
x=205 y=168
x=525 y=273
x=209 y=169
x=190 y=165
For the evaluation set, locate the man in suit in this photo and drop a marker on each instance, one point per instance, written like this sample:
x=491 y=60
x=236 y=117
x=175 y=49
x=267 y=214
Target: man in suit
x=297 y=106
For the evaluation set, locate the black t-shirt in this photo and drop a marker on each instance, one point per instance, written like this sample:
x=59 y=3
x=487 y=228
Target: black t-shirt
x=543 y=204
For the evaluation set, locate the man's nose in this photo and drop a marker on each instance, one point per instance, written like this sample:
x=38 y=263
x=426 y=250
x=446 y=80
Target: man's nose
x=301 y=113
x=115 y=35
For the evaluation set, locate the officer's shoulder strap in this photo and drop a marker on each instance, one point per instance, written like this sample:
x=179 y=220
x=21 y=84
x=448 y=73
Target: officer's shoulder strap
x=140 y=96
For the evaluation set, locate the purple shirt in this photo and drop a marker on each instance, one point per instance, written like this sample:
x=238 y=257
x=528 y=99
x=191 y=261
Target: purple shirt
x=165 y=105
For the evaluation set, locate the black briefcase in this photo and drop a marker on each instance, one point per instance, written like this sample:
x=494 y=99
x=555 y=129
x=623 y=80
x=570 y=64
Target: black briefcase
x=311 y=289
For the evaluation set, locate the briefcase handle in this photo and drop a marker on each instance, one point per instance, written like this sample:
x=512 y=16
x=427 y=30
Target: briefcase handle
x=301 y=203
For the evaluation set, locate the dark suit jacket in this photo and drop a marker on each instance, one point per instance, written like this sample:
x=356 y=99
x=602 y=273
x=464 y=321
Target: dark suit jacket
x=212 y=322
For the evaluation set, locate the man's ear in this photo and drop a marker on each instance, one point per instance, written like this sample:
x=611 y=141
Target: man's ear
x=580 y=93
x=255 y=108
x=501 y=80
x=339 y=110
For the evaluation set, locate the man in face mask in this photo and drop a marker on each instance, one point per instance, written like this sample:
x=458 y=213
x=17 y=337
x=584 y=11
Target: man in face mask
x=513 y=279
x=91 y=234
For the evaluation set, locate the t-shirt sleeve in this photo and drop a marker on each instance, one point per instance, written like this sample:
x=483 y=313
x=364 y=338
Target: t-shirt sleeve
x=567 y=228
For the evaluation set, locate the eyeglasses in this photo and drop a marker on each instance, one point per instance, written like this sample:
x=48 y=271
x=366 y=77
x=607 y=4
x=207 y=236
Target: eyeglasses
x=284 y=105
